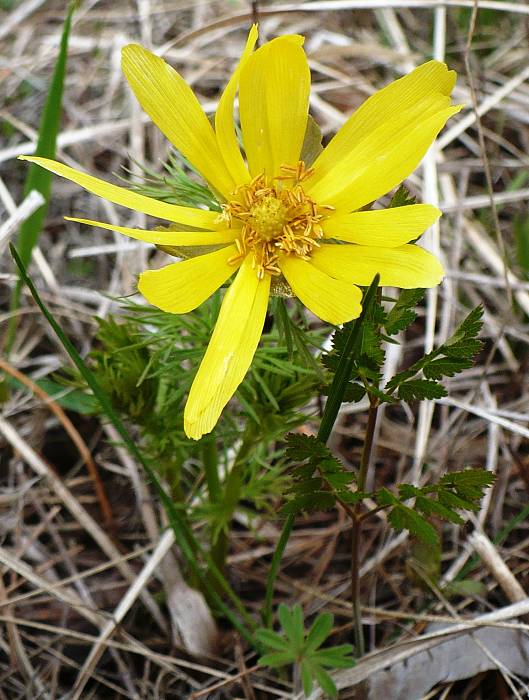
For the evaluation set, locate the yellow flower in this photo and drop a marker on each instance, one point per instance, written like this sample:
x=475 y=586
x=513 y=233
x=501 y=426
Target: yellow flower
x=279 y=216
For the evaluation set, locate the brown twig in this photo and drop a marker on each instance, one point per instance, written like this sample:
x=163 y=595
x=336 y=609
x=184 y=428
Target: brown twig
x=484 y=155
x=223 y=683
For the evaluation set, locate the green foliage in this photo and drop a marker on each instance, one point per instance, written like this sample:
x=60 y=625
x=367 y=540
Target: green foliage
x=344 y=370
x=71 y=399
x=296 y=646
x=369 y=354
x=463 y=341
x=122 y=365
x=146 y=361
x=319 y=479
x=453 y=356
x=455 y=491
x=379 y=326
x=293 y=333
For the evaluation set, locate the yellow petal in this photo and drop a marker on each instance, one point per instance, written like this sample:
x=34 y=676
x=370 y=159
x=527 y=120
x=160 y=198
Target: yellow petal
x=383 y=160
x=331 y=299
x=166 y=237
x=182 y=286
x=432 y=77
x=187 y=216
x=230 y=350
x=273 y=105
x=399 y=119
x=408 y=267
x=224 y=121
x=173 y=107
x=386 y=228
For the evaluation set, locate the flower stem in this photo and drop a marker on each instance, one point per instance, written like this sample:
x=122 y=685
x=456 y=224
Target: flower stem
x=274 y=568
x=357 y=527
x=334 y=401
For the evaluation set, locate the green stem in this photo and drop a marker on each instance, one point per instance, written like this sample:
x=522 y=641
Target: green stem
x=334 y=401
x=211 y=470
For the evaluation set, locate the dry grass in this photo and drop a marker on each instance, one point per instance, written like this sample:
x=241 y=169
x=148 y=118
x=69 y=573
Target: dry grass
x=80 y=598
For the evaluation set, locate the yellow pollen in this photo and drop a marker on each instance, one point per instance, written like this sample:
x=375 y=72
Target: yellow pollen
x=276 y=217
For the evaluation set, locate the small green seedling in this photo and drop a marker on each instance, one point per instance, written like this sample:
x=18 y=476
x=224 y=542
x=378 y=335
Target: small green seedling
x=294 y=646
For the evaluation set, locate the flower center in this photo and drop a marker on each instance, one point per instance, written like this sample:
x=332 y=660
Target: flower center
x=277 y=217
x=268 y=217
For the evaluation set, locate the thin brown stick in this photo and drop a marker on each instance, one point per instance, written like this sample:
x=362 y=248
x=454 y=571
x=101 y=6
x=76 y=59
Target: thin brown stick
x=222 y=684
x=483 y=148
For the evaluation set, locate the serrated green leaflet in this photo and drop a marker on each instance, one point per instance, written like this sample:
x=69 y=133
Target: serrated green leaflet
x=402 y=198
x=309 y=492
x=455 y=491
x=450 y=358
x=404 y=518
x=420 y=389
x=403 y=312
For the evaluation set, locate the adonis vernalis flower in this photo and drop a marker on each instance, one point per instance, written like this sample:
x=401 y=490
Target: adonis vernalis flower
x=280 y=216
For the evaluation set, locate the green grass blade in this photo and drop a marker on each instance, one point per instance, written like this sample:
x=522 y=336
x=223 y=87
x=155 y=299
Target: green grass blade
x=345 y=366
x=521 y=236
x=183 y=533
x=69 y=398
x=38 y=178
